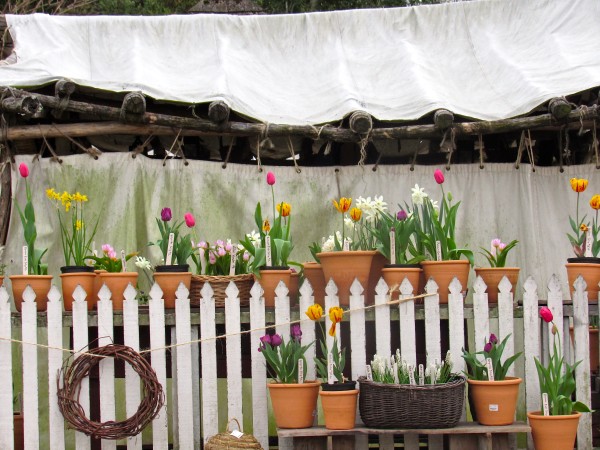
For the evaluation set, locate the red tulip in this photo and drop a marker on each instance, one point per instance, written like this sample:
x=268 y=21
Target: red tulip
x=24 y=170
x=439 y=176
x=270 y=178
x=189 y=220
x=546 y=314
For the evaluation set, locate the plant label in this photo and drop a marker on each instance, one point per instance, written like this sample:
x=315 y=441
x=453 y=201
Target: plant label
x=237 y=433
x=369 y=373
x=411 y=375
x=545 y=404
x=346 y=245
x=95 y=253
x=393 y=246
x=170 y=249
x=123 y=261
x=300 y=371
x=395 y=369
x=490 y=369
x=493 y=407
x=233 y=255
x=268 y=250
x=330 y=375
x=421 y=375
x=25 y=260
x=588 y=243
x=438 y=250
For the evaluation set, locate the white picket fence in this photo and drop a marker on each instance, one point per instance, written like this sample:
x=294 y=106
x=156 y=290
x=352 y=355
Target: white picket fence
x=193 y=412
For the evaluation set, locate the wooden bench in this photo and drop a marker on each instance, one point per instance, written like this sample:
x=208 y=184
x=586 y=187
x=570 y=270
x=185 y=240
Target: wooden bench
x=464 y=436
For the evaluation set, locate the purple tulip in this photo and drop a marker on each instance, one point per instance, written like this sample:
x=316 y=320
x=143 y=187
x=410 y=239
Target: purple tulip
x=166 y=215
x=266 y=339
x=488 y=347
x=296 y=332
x=276 y=340
x=401 y=216
x=493 y=339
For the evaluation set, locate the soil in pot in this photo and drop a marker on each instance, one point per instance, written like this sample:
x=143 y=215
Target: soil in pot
x=173 y=268
x=40 y=284
x=337 y=386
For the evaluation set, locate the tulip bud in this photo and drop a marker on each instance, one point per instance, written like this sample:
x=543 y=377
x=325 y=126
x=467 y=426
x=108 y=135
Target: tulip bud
x=401 y=216
x=24 y=170
x=189 y=220
x=166 y=215
x=270 y=178
x=439 y=176
x=276 y=340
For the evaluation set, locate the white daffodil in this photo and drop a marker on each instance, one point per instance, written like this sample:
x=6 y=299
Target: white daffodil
x=254 y=238
x=379 y=205
x=143 y=263
x=418 y=195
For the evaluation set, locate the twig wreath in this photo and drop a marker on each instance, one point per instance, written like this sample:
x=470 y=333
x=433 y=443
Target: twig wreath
x=72 y=376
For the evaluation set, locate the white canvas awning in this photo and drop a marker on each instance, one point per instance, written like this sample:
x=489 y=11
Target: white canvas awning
x=487 y=59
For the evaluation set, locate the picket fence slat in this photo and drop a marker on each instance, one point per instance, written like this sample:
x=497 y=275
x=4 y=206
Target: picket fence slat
x=555 y=304
x=131 y=335
x=330 y=302
x=308 y=328
x=260 y=425
x=30 y=370
x=234 y=354
x=196 y=402
x=80 y=344
x=506 y=319
x=481 y=314
x=210 y=400
x=107 y=365
x=531 y=348
x=6 y=375
x=582 y=371
x=56 y=429
x=160 y=425
x=282 y=317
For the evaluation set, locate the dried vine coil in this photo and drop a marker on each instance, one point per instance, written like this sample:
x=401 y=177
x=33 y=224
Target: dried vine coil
x=68 y=395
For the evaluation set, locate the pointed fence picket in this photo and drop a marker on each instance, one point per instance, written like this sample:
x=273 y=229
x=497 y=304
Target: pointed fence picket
x=189 y=409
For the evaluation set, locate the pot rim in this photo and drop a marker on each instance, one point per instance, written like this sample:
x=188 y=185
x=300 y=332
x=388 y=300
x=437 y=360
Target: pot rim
x=538 y=415
x=310 y=383
x=338 y=393
x=494 y=269
x=118 y=274
x=20 y=277
x=449 y=261
x=347 y=252
x=508 y=381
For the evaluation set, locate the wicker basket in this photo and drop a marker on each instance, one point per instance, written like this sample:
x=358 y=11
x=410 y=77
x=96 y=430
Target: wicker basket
x=226 y=441
x=219 y=283
x=410 y=406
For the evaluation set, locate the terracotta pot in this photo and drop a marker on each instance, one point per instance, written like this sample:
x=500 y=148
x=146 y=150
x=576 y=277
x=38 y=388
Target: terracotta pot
x=443 y=272
x=594 y=363
x=294 y=405
x=294 y=287
x=495 y=402
x=339 y=408
x=553 y=432
x=40 y=284
x=270 y=278
x=169 y=282
x=18 y=433
x=70 y=281
x=97 y=283
x=344 y=267
x=377 y=265
x=117 y=282
x=492 y=277
x=313 y=272
x=590 y=273
x=395 y=274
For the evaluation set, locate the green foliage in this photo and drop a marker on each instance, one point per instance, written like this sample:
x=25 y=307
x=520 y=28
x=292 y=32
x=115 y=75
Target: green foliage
x=338 y=357
x=34 y=256
x=477 y=370
x=182 y=245
x=395 y=370
x=406 y=251
x=111 y=265
x=500 y=259
x=282 y=360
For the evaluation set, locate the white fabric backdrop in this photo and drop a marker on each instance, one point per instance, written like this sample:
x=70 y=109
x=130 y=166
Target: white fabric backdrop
x=127 y=194
x=486 y=59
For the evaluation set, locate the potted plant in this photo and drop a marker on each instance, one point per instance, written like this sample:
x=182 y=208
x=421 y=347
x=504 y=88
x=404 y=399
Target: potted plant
x=175 y=269
x=36 y=273
x=399 y=395
x=555 y=428
x=492 y=275
x=313 y=272
x=338 y=394
x=436 y=226
x=585 y=244
x=294 y=400
x=109 y=270
x=358 y=252
x=492 y=395
x=394 y=240
x=271 y=267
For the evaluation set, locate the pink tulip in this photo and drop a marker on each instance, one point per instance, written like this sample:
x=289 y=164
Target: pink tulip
x=270 y=178
x=189 y=220
x=546 y=314
x=439 y=176
x=24 y=170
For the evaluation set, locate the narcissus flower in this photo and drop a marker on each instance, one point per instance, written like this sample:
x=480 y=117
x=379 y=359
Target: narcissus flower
x=314 y=312
x=355 y=214
x=335 y=315
x=579 y=184
x=344 y=204
x=284 y=209
x=24 y=170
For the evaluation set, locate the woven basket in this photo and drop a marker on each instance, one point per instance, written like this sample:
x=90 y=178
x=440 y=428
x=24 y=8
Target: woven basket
x=219 y=283
x=226 y=441
x=411 y=406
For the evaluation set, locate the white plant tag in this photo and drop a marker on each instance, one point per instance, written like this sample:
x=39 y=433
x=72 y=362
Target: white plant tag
x=411 y=375
x=493 y=407
x=545 y=404
x=438 y=250
x=25 y=260
x=369 y=373
x=588 y=243
x=123 y=262
x=330 y=376
x=393 y=246
x=421 y=375
x=346 y=245
x=490 y=369
x=237 y=433
x=170 y=249
x=300 y=371
x=233 y=255
x=268 y=250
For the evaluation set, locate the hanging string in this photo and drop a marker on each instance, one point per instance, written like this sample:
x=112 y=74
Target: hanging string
x=363 y=148
x=452 y=146
x=414 y=158
x=291 y=147
x=529 y=146
x=583 y=112
x=224 y=165
x=560 y=155
x=567 y=144
x=49 y=147
x=377 y=162
x=178 y=152
x=520 y=150
x=140 y=148
x=481 y=151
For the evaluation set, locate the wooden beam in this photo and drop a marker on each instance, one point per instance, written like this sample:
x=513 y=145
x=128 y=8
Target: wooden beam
x=218 y=111
x=5 y=195
x=443 y=119
x=64 y=88
x=133 y=107
x=361 y=122
x=26 y=106
x=560 y=108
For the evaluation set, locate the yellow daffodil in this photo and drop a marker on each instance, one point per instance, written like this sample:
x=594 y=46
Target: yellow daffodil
x=595 y=202
x=355 y=214
x=344 y=204
x=335 y=315
x=52 y=194
x=284 y=209
x=579 y=184
x=314 y=312
x=266 y=226
x=67 y=206
x=77 y=197
x=78 y=225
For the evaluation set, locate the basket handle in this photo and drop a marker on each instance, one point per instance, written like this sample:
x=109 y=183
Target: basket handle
x=229 y=423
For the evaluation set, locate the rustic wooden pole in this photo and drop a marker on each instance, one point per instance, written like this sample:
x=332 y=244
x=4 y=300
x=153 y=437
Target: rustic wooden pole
x=560 y=108
x=218 y=111
x=133 y=107
x=64 y=88
x=443 y=119
x=5 y=194
x=26 y=106
x=361 y=122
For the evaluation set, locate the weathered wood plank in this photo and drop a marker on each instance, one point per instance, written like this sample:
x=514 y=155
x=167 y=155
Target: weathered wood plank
x=6 y=375
x=531 y=348
x=56 y=428
x=106 y=366
x=506 y=319
x=234 y=354
x=80 y=344
x=358 y=346
x=259 y=370
x=131 y=338
x=210 y=399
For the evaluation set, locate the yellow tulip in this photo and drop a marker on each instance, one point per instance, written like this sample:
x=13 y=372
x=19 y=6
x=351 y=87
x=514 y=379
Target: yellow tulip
x=266 y=226
x=284 y=209
x=579 y=184
x=583 y=227
x=355 y=214
x=335 y=315
x=595 y=202
x=344 y=205
x=314 y=312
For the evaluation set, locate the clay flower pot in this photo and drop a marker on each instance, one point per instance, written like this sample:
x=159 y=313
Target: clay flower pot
x=117 y=282
x=495 y=402
x=443 y=272
x=313 y=272
x=40 y=284
x=339 y=405
x=394 y=275
x=589 y=269
x=553 y=432
x=294 y=405
x=97 y=283
x=168 y=278
x=492 y=277
x=269 y=280
x=71 y=277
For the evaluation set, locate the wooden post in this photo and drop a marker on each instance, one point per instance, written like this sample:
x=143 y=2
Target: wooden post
x=26 y=106
x=361 y=122
x=443 y=119
x=133 y=107
x=218 y=111
x=64 y=88
x=208 y=349
x=560 y=108
x=5 y=194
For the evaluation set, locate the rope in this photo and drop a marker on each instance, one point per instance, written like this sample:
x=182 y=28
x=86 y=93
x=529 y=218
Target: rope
x=560 y=155
x=140 y=148
x=291 y=147
x=258 y=154
x=94 y=153
x=50 y=149
x=363 y=148
x=452 y=146
x=529 y=147
x=224 y=165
